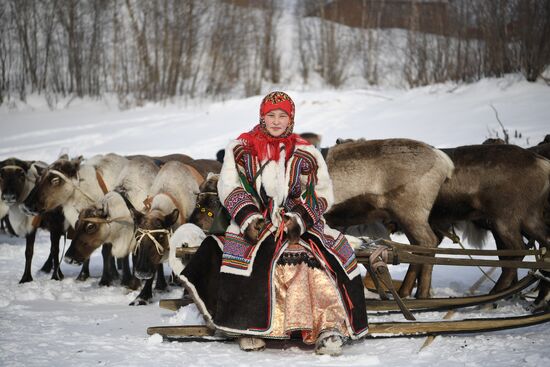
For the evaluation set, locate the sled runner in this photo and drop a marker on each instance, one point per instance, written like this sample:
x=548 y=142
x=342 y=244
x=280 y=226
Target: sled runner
x=378 y=329
x=396 y=253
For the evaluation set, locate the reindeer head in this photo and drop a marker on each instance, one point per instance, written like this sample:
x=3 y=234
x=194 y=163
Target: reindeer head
x=207 y=204
x=14 y=174
x=55 y=186
x=91 y=231
x=152 y=236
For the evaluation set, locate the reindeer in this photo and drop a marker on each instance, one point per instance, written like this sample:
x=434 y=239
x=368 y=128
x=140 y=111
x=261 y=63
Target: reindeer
x=74 y=184
x=502 y=188
x=207 y=203
x=110 y=220
x=392 y=180
x=171 y=201
x=17 y=179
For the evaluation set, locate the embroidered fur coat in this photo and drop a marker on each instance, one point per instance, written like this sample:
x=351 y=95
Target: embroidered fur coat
x=230 y=279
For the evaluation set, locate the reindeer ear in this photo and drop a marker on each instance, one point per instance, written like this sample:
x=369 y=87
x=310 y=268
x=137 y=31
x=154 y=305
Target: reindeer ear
x=64 y=156
x=171 y=218
x=77 y=160
x=25 y=165
x=343 y=141
x=39 y=169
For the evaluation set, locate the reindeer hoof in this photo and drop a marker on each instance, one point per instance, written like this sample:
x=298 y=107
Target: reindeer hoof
x=161 y=288
x=139 y=302
x=105 y=282
x=46 y=268
x=58 y=275
x=132 y=283
x=82 y=276
x=25 y=279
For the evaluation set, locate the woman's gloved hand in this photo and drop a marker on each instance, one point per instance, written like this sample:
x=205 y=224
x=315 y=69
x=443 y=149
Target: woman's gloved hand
x=292 y=229
x=253 y=230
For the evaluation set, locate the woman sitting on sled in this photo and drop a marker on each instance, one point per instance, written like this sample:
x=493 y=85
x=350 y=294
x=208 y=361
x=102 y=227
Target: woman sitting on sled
x=279 y=271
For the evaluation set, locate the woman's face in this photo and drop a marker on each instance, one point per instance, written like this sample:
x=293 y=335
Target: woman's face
x=276 y=122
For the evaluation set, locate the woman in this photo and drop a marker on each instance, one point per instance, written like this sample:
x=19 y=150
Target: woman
x=279 y=271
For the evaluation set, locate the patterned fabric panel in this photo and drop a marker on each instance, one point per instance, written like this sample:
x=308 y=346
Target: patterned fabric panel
x=246 y=164
x=338 y=246
x=313 y=207
x=240 y=205
x=237 y=252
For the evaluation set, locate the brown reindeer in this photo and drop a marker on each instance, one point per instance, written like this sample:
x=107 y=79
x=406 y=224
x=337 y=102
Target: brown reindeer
x=75 y=184
x=109 y=220
x=207 y=203
x=543 y=299
x=393 y=180
x=502 y=188
x=171 y=201
x=17 y=179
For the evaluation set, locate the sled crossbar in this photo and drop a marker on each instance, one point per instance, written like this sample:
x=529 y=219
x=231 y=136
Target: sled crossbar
x=401 y=253
x=438 y=304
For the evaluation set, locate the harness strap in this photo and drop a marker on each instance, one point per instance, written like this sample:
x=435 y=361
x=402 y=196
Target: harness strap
x=456 y=239
x=77 y=187
x=36 y=220
x=124 y=220
x=379 y=271
x=101 y=182
x=127 y=201
x=149 y=200
x=12 y=166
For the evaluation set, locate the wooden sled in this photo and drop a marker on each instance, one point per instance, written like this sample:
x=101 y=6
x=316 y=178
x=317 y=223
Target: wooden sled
x=396 y=253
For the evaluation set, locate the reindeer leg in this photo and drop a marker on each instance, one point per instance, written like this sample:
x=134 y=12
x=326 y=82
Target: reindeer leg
x=161 y=284
x=507 y=236
x=409 y=281
x=113 y=268
x=85 y=271
x=542 y=302
x=47 y=267
x=145 y=295
x=106 y=275
x=9 y=229
x=419 y=233
x=128 y=278
x=29 y=252
x=55 y=236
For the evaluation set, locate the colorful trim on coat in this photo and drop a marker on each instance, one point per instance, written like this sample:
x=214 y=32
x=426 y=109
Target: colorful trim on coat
x=240 y=205
x=339 y=247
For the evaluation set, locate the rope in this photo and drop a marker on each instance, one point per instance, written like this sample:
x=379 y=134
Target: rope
x=124 y=220
x=454 y=237
x=149 y=200
x=141 y=233
x=12 y=166
x=66 y=179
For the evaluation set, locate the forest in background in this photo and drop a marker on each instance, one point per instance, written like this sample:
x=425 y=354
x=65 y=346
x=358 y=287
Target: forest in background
x=159 y=49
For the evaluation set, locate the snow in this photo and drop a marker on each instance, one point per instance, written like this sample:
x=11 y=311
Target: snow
x=72 y=323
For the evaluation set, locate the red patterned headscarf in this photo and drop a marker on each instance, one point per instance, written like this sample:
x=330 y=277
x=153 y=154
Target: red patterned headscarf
x=259 y=142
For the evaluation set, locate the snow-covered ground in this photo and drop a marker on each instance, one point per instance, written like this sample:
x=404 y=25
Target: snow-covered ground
x=72 y=323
